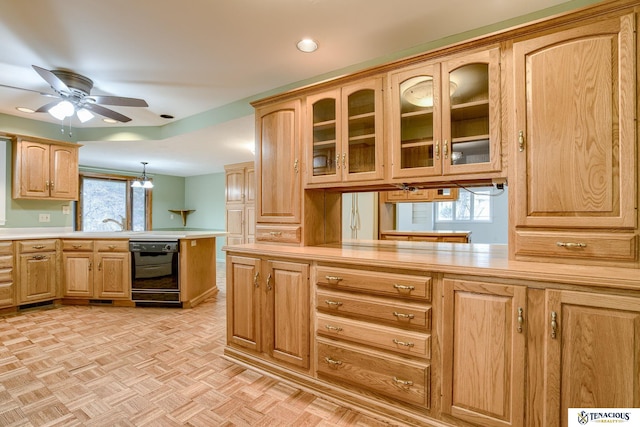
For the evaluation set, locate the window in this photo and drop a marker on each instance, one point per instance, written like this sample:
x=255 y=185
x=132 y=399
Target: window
x=471 y=206
x=108 y=203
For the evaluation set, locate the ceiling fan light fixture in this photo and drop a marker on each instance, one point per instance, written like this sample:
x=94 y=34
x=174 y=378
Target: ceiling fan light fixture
x=25 y=110
x=110 y=121
x=84 y=115
x=62 y=110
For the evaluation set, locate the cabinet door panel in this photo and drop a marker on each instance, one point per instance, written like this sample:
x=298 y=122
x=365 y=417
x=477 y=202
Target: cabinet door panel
x=64 y=172
x=34 y=167
x=576 y=161
x=483 y=352
x=37 y=277
x=278 y=163
x=592 y=359
x=243 y=302
x=287 y=304
x=78 y=274
x=113 y=278
x=235 y=186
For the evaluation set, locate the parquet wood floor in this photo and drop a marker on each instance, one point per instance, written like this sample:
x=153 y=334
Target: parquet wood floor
x=119 y=366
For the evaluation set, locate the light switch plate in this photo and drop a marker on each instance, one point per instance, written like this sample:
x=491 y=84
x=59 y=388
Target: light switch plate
x=44 y=218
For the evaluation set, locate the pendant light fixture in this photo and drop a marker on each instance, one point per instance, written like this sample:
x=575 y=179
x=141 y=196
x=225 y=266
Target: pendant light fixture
x=142 y=181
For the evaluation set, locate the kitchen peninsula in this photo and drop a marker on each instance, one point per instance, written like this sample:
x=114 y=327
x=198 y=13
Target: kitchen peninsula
x=450 y=334
x=41 y=266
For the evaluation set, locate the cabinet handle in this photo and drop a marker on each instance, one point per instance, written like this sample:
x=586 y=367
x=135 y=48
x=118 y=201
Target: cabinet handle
x=255 y=279
x=333 y=303
x=90 y=265
x=333 y=328
x=402 y=343
x=269 y=282
x=77 y=246
x=112 y=246
x=403 y=316
x=100 y=266
x=337 y=161
x=437 y=149
x=521 y=141
x=554 y=324
x=445 y=149
x=275 y=233
x=520 y=319
x=295 y=166
x=51 y=185
x=571 y=245
x=344 y=163
x=38 y=246
x=39 y=257
x=333 y=278
x=404 y=287
x=332 y=362
x=402 y=382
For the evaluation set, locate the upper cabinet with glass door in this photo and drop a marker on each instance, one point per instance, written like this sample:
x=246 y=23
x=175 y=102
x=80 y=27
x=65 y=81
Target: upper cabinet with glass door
x=446 y=117
x=344 y=143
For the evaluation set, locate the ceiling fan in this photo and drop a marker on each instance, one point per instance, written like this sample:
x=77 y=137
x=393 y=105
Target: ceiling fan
x=73 y=93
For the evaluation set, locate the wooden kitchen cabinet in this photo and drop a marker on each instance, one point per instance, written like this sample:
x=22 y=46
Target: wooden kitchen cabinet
x=45 y=170
x=483 y=347
x=240 y=203
x=575 y=170
x=268 y=309
x=446 y=117
x=591 y=353
x=37 y=270
x=96 y=269
x=344 y=133
x=278 y=163
x=7 y=287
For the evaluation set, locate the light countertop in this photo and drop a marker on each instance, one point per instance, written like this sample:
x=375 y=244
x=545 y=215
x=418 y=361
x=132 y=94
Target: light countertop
x=66 y=233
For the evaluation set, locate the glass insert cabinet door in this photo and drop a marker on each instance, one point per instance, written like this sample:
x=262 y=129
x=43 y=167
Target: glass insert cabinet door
x=416 y=126
x=446 y=117
x=346 y=133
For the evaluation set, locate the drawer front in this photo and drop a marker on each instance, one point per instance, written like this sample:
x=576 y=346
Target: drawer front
x=278 y=234
x=6 y=261
x=398 y=285
x=400 y=380
x=6 y=247
x=27 y=246
x=112 y=245
x=77 y=245
x=402 y=314
x=605 y=246
x=396 y=340
x=6 y=275
x=6 y=295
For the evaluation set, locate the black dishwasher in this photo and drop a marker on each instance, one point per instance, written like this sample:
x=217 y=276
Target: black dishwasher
x=155 y=276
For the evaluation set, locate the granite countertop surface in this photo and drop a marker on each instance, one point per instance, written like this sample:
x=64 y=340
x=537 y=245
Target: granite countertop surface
x=67 y=233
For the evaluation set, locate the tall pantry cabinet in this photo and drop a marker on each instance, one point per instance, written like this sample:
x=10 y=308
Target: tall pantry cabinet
x=240 y=196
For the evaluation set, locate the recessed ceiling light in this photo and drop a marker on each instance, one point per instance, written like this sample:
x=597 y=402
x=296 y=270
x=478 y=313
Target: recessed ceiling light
x=307 y=45
x=25 y=110
x=111 y=121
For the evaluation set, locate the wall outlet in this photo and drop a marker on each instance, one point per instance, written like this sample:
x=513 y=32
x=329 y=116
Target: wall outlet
x=66 y=210
x=44 y=218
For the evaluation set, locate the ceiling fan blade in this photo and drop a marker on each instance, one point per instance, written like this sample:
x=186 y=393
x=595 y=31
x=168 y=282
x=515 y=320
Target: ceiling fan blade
x=29 y=90
x=57 y=84
x=46 y=107
x=107 y=112
x=119 y=100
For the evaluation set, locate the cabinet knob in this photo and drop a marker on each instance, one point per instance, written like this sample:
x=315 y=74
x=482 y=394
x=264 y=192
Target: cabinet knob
x=521 y=141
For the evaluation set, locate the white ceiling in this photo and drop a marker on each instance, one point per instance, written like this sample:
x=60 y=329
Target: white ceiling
x=196 y=59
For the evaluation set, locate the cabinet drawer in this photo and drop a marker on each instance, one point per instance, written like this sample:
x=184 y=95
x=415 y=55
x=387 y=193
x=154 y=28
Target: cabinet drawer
x=605 y=246
x=398 y=379
x=278 y=234
x=112 y=245
x=403 y=314
x=6 y=295
x=6 y=275
x=6 y=247
x=6 y=261
x=383 y=337
x=77 y=245
x=399 y=285
x=26 y=246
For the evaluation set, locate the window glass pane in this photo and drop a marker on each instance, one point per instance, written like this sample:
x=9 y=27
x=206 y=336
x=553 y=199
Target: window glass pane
x=481 y=206
x=104 y=205
x=138 y=221
x=463 y=206
x=444 y=211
